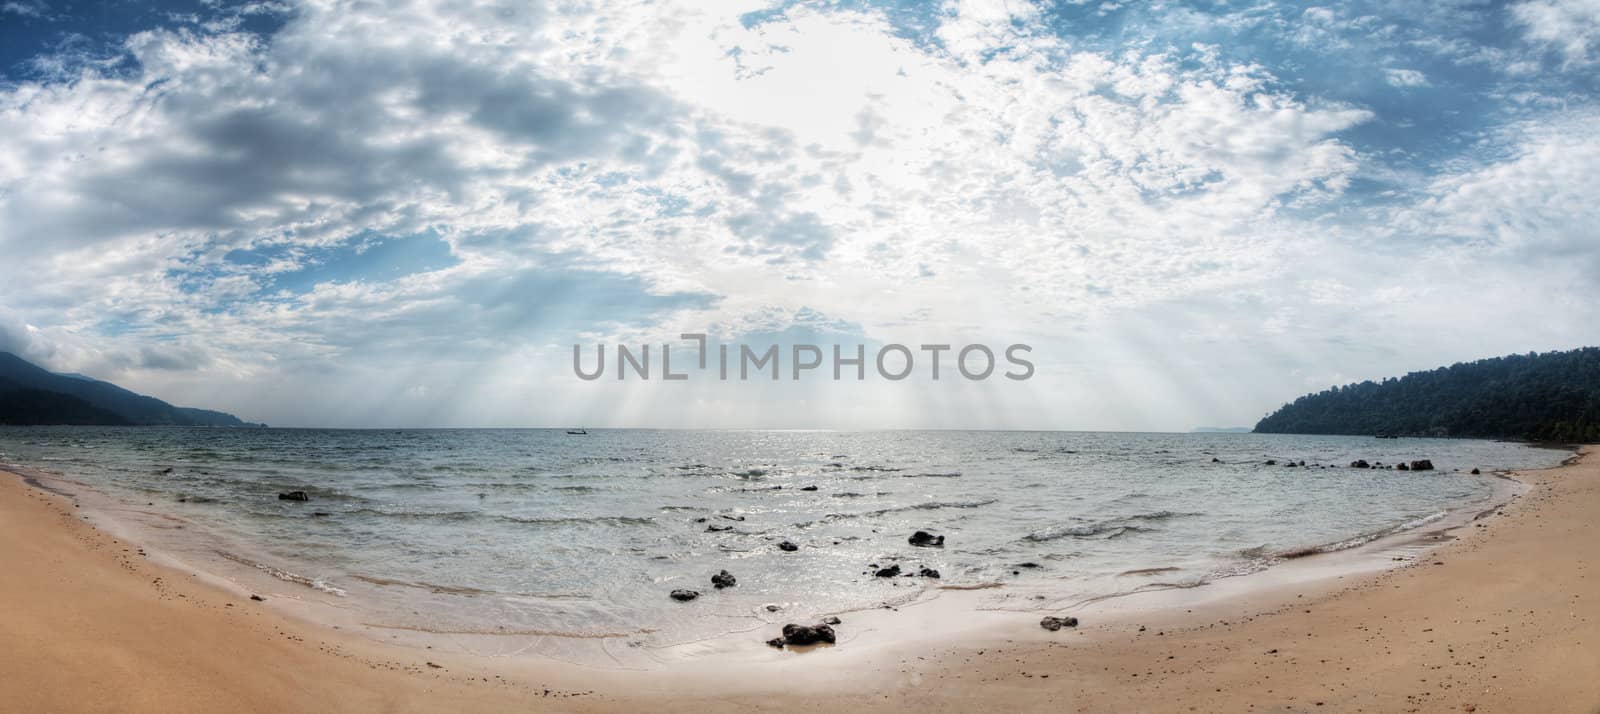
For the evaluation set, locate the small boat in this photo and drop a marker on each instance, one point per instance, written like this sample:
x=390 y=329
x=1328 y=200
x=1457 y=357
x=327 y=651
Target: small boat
x=578 y=432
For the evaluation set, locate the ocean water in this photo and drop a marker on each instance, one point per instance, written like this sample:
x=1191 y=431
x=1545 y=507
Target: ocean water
x=536 y=533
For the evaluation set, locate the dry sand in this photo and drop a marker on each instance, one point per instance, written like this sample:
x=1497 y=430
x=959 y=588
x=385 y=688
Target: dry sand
x=1504 y=617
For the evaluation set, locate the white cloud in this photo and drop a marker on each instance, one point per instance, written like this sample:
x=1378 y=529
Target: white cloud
x=1405 y=78
x=1571 y=27
x=1534 y=202
x=638 y=170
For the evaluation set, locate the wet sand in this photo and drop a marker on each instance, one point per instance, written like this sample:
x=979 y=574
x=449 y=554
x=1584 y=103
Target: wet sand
x=1504 y=615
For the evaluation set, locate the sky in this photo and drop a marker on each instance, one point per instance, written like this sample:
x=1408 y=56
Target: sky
x=405 y=214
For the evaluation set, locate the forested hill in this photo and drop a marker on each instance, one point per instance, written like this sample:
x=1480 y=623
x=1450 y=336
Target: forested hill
x=32 y=395
x=1554 y=396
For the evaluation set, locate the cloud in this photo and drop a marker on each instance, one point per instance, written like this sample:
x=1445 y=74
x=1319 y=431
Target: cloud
x=33 y=8
x=1532 y=202
x=362 y=204
x=1405 y=78
x=1570 y=27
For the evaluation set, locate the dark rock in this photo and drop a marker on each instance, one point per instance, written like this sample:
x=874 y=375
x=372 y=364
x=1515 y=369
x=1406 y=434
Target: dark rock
x=1290 y=464
x=808 y=488
x=888 y=572
x=929 y=573
x=1422 y=465
x=1216 y=460
x=832 y=621
x=925 y=539
x=724 y=579
x=774 y=608
x=788 y=547
x=775 y=642
x=1272 y=462
x=1475 y=472
x=1028 y=565
x=258 y=598
x=294 y=496
x=684 y=595
x=166 y=470
x=1402 y=467
x=1360 y=464
x=321 y=514
x=807 y=634
x=731 y=518
x=1055 y=623
x=713 y=528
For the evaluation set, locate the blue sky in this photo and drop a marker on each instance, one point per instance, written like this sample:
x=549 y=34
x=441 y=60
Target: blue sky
x=404 y=214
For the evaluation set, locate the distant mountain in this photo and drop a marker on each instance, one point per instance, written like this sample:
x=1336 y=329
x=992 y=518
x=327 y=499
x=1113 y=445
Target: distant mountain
x=1554 y=396
x=32 y=395
x=1221 y=430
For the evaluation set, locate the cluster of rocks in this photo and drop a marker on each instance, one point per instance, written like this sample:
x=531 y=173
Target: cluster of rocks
x=894 y=570
x=719 y=581
x=1053 y=624
x=1416 y=465
x=800 y=635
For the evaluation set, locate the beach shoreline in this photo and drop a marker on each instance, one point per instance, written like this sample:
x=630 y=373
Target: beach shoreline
x=881 y=663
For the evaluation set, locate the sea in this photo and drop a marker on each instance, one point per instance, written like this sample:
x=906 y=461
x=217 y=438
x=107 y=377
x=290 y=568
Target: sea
x=528 y=539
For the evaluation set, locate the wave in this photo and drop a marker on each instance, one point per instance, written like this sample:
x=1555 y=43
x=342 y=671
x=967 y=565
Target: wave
x=924 y=506
x=1109 y=528
x=1361 y=539
x=284 y=575
x=430 y=587
x=524 y=520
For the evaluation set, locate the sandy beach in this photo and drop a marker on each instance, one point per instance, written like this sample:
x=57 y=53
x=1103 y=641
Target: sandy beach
x=1496 y=615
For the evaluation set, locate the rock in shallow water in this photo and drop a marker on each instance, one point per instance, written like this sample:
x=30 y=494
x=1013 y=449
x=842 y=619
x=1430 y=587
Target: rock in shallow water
x=294 y=496
x=788 y=547
x=684 y=595
x=1422 y=465
x=929 y=573
x=1055 y=623
x=807 y=634
x=724 y=579
x=925 y=539
x=888 y=572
